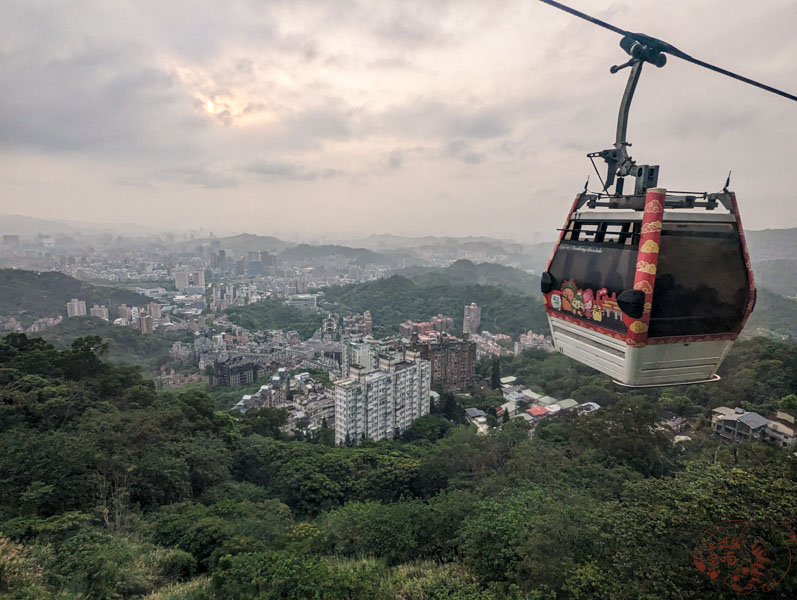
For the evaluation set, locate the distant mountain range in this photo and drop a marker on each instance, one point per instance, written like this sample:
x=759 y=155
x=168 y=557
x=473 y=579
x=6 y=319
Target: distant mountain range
x=773 y=251
x=305 y=253
x=247 y=242
x=771 y=244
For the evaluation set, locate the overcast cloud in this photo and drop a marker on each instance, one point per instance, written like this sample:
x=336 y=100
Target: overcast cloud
x=352 y=117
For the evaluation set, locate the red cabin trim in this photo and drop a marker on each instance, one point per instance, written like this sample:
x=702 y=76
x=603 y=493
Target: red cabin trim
x=750 y=279
x=647 y=260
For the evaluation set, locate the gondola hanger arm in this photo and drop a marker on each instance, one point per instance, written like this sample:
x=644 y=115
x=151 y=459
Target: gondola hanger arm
x=659 y=47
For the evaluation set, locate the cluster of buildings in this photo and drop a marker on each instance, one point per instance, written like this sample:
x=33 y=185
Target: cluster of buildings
x=426 y=329
x=12 y=324
x=374 y=401
x=524 y=403
x=306 y=401
x=334 y=328
x=145 y=318
x=173 y=379
x=531 y=340
x=738 y=425
x=491 y=344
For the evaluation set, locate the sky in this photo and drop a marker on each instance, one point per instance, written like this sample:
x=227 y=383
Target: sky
x=347 y=118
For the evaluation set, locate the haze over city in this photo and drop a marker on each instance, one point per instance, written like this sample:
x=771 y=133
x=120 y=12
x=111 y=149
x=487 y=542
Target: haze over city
x=351 y=118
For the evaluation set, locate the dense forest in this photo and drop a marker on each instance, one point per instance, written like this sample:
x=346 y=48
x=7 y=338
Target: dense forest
x=111 y=490
x=273 y=313
x=28 y=295
x=396 y=299
x=305 y=253
x=466 y=272
x=125 y=344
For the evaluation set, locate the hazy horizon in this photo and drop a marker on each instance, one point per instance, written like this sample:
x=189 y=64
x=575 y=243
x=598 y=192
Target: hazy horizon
x=353 y=118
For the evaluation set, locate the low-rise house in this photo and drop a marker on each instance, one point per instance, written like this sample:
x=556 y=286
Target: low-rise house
x=513 y=393
x=566 y=404
x=505 y=381
x=507 y=407
x=537 y=412
x=546 y=401
x=474 y=413
x=782 y=430
x=740 y=426
x=674 y=423
x=477 y=417
x=718 y=412
x=587 y=407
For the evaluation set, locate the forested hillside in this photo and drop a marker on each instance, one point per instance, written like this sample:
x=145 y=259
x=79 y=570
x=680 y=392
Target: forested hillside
x=773 y=315
x=466 y=272
x=305 y=253
x=28 y=295
x=396 y=299
x=275 y=314
x=111 y=490
x=125 y=344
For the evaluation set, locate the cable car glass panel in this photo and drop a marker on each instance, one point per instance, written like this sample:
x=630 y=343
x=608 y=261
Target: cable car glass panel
x=702 y=285
x=594 y=261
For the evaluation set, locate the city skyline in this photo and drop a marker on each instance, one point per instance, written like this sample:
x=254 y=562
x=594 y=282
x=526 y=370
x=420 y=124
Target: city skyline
x=461 y=118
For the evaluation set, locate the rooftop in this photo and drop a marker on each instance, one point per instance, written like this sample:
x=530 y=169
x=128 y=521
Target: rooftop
x=567 y=404
x=474 y=412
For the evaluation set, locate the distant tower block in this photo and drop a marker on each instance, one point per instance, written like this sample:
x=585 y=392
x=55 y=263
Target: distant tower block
x=472 y=319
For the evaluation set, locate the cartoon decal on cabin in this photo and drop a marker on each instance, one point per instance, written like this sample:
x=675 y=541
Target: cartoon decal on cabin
x=586 y=304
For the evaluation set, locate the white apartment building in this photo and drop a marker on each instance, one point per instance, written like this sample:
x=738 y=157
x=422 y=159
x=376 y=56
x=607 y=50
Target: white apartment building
x=381 y=402
x=99 y=311
x=361 y=353
x=472 y=318
x=76 y=308
x=184 y=279
x=303 y=301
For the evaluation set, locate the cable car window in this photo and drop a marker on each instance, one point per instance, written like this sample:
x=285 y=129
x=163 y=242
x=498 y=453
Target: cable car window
x=702 y=284
x=594 y=263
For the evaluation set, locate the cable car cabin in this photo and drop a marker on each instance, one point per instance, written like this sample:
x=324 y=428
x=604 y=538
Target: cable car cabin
x=652 y=296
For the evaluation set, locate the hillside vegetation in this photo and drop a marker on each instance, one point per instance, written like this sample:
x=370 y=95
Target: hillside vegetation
x=305 y=253
x=111 y=490
x=28 y=295
x=395 y=299
x=466 y=272
x=125 y=344
x=273 y=313
x=773 y=315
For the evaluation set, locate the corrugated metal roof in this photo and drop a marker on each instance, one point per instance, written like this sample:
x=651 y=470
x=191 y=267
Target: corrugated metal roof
x=567 y=404
x=753 y=420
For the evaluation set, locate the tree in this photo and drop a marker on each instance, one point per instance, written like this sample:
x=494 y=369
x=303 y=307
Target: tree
x=428 y=427
x=788 y=403
x=495 y=376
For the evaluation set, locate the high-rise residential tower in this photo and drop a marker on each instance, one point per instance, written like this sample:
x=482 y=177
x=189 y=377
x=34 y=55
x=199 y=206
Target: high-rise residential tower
x=472 y=319
x=383 y=402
